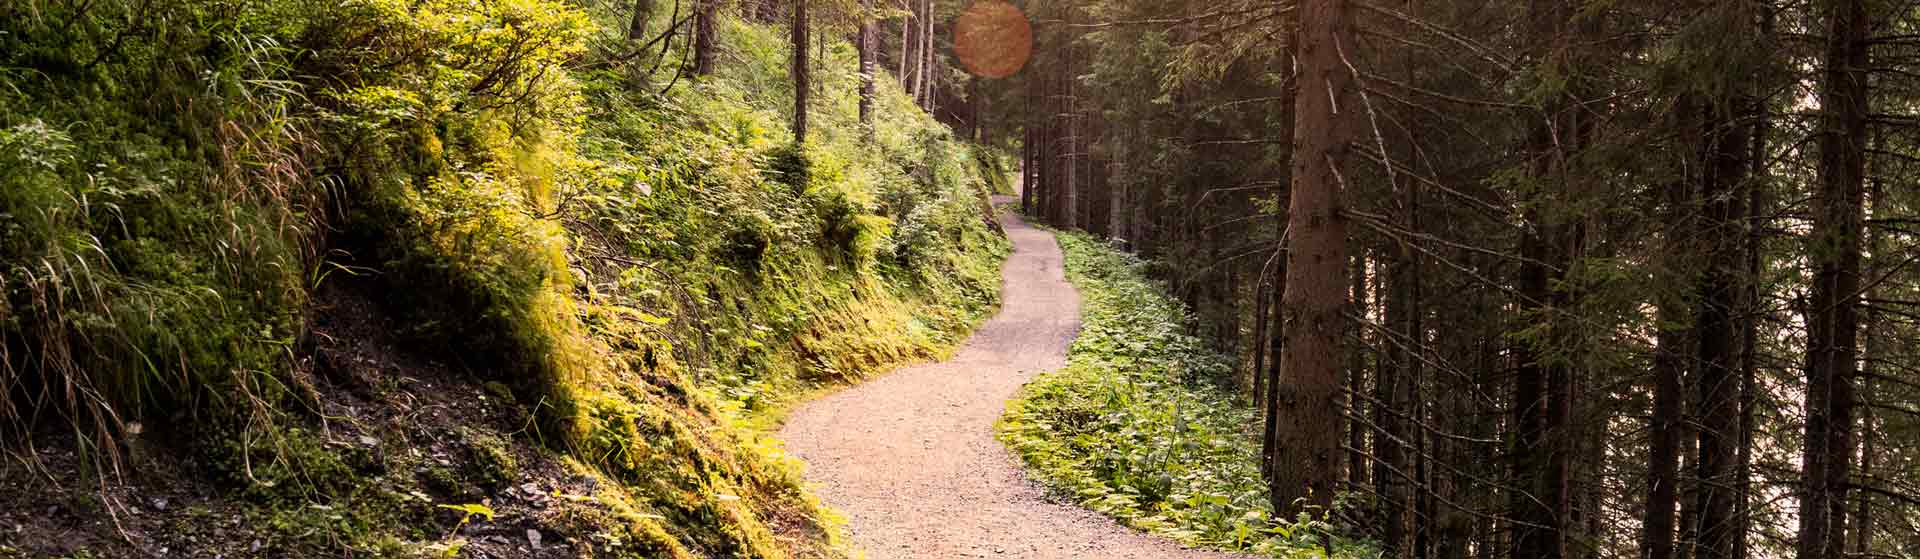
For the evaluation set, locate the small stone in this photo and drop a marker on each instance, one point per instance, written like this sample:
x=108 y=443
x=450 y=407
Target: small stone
x=533 y=537
x=368 y=441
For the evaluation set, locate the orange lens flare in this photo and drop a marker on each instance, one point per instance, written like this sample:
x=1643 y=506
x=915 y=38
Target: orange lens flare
x=993 y=39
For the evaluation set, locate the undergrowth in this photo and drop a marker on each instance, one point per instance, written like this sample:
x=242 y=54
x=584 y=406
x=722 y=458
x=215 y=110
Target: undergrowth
x=1140 y=426
x=644 y=272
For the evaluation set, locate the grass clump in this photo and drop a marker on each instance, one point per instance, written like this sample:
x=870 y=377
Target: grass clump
x=1140 y=426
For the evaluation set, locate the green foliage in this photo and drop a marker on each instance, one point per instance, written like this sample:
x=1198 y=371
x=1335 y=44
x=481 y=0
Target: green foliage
x=789 y=265
x=153 y=218
x=1138 y=426
x=644 y=272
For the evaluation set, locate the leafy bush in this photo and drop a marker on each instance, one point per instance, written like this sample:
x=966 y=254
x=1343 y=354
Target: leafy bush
x=1138 y=426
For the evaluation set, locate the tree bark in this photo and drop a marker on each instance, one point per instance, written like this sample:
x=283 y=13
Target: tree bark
x=867 y=56
x=801 y=80
x=1389 y=446
x=1070 y=187
x=1308 y=453
x=1117 y=198
x=1718 y=385
x=1276 y=346
x=1553 y=248
x=1261 y=330
x=1027 y=171
x=1357 y=463
x=927 y=75
x=919 y=54
x=704 y=37
x=1526 y=504
x=906 y=48
x=1673 y=336
x=1874 y=344
x=1031 y=143
x=1834 y=251
x=1752 y=303
x=637 y=27
x=1663 y=462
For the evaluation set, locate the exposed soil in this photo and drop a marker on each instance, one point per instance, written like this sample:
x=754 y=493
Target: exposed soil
x=911 y=457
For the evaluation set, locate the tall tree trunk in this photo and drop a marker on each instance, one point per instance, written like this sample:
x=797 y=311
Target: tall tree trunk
x=1141 y=227
x=1674 y=322
x=1529 y=422
x=1261 y=330
x=1553 y=248
x=1751 y=193
x=1834 y=252
x=637 y=27
x=1028 y=143
x=802 y=85
x=1874 y=343
x=1391 y=402
x=1401 y=477
x=906 y=48
x=868 y=54
x=1562 y=441
x=1862 y=522
x=704 y=36
x=1276 y=338
x=1357 y=463
x=976 y=104
x=1050 y=153
x=1308 y=452
x=1276 y=346
x=928 y=77
x=1117 y=197
x=1543 y=395
x=919 y=54
x=1750 y=326
x=1071 y=186
x=1725 y=164
x=1663 y=462
x=1036 y=92
x=1063 y=151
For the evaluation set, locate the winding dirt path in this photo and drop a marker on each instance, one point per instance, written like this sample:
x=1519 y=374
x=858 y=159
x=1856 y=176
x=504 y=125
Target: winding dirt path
x=911 y=457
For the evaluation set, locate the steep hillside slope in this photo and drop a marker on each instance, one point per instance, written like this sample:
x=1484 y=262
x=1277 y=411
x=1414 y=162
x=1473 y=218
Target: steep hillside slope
x=301 y=278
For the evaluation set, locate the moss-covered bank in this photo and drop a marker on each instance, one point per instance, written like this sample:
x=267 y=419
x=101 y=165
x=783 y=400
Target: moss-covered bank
x=308 y=278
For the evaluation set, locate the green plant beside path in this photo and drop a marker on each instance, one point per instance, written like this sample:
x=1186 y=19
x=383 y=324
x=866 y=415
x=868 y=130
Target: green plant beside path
x=1139 y=426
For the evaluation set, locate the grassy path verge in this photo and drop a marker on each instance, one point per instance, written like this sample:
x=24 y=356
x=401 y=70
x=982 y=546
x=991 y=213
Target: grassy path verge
x=1140 y=426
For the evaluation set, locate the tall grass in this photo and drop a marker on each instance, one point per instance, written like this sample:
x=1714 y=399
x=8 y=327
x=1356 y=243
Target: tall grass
x=155 y=216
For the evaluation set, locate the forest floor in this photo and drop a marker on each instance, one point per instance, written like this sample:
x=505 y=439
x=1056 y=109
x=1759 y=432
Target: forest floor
x=911 y=456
